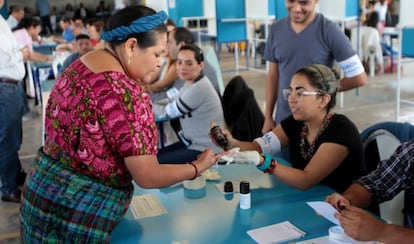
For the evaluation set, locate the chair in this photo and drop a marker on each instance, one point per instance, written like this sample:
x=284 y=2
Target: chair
x=379 y=142
x=59 y=59
x=242 y=114
x=369 y=50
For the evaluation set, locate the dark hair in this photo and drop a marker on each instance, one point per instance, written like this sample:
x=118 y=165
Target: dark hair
x=198 y=52
x=170 y=22
x=15 y=8
x=182 y=34
x=27 y=22
x=65 y=20
x=323 y=78
x=82 y=36
x=126 y=16
x=373 y=19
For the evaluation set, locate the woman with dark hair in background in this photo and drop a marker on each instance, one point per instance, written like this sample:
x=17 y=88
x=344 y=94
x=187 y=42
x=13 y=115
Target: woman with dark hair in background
x=26 y=32
x=94 y=28
x=101 y=135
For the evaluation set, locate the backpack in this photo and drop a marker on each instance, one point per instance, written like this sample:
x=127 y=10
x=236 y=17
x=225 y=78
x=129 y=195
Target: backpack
x=242 y=113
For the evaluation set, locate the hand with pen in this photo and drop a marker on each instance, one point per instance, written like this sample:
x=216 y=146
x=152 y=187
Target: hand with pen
x=356 y=222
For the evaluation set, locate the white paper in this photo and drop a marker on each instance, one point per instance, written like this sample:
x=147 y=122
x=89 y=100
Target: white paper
x=276 y=233
x=326 y=210
x=146 y=205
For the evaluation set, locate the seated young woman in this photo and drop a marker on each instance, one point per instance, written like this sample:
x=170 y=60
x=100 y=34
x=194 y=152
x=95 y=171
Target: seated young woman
x=196 y=104
x=325 y=147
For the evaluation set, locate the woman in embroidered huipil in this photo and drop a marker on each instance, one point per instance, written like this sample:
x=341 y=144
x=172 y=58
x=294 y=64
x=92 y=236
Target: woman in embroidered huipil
x=101 y=135
x=325 y=147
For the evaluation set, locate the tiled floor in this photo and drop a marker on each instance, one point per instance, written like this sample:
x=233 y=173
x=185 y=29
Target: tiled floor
x=374 y=103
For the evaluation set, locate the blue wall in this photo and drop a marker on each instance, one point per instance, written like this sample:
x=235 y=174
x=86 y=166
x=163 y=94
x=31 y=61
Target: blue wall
x=185 y=8
x=230 y=31
x=277 y=8
x=281 y=10
x=352 y=8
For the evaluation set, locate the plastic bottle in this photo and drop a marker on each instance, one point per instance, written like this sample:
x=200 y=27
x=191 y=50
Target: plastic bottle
x=245 y=201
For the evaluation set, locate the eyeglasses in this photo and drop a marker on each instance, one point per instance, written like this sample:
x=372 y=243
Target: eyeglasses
x=299 y=94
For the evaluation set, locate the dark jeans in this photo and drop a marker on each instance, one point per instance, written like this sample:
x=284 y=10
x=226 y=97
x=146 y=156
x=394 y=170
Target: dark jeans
x=177 y=153
x=46 y=25
x=11 y=106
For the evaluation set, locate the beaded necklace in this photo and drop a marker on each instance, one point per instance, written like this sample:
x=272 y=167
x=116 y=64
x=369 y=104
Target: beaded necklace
x=306 y=154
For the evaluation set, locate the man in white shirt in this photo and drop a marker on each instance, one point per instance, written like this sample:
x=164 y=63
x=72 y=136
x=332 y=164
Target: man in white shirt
x=12 y=72
x=16 y=14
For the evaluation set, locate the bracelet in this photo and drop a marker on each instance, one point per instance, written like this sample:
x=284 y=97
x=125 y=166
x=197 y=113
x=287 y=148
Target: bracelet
x=266 y=163
x=195 y=170
x=271 y=168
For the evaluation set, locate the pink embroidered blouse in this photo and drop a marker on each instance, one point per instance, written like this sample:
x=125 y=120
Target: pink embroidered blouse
x=95 y=120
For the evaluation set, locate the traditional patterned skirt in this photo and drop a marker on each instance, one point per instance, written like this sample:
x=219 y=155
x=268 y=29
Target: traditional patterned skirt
x=60 y=205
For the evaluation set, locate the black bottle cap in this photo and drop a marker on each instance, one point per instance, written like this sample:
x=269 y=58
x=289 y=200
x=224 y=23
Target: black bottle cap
x=244 y=187
x=228 y=186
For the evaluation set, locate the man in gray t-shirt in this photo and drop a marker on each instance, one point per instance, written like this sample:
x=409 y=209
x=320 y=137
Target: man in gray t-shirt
x=303 y=38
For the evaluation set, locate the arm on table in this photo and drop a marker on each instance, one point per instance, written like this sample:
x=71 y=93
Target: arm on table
x=326 y=159
x=148 y=173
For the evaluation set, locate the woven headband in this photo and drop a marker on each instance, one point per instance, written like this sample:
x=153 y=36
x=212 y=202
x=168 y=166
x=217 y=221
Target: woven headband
x=140 y=25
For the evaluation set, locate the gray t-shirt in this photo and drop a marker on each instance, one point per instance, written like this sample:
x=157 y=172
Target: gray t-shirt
x=201 y=105
x=321 y=42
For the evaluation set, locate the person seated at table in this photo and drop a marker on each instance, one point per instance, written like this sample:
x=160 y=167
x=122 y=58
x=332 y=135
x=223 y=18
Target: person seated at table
x=176 y=39
x=390 y=178
x=82 y=45
x=161 y=80
x=94 y=28
x=25 y=32
x=167 y=63
x=325 y=147
x=77 y=29
x=101 y=135
x=67 y=33
x=196 y=105
x=15 y=16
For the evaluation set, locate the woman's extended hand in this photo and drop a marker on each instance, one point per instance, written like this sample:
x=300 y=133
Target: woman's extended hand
x=206 y=159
